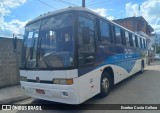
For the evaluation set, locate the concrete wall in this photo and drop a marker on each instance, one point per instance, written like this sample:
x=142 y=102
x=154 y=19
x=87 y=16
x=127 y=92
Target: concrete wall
x=9 y=68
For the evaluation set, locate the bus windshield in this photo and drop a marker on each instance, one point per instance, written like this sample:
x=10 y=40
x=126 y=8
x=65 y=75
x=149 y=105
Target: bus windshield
x=49 y=43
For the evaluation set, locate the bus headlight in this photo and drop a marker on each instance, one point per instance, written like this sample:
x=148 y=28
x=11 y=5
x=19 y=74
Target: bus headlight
x=63 y=81
x=22 y=78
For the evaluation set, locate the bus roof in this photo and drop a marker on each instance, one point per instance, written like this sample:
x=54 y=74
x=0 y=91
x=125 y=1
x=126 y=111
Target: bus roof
x=77 y=9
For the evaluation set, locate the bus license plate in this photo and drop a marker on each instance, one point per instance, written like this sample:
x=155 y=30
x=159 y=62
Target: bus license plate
x=40 y=91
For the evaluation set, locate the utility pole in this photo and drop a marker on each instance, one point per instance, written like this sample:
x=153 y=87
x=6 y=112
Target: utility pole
x=83 y=3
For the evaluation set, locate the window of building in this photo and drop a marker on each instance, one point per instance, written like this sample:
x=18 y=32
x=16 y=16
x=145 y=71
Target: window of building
x=104 y=32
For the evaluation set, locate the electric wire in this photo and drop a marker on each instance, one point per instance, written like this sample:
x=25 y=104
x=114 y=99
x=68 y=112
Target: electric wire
x=65 y=2
x=47 y=4
x=98 y=3
x=92 y=1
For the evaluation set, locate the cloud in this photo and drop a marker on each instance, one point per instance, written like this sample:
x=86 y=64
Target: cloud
x=150 y=10
x=132 y=9
x=15 y=25
x=156 y=28
x=103 y=12
x=110 y=17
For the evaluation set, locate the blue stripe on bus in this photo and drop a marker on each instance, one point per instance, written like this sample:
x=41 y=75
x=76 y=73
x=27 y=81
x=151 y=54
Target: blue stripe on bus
x=121 y=61
x=117 y=59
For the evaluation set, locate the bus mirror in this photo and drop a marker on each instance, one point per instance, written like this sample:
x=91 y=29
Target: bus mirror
x=86 y=35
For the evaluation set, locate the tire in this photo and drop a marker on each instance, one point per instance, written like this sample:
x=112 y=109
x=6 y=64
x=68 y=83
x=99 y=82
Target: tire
x=142 y=68
x=105 y=85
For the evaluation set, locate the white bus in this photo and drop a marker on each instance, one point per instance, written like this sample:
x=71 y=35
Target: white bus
x=71 y=55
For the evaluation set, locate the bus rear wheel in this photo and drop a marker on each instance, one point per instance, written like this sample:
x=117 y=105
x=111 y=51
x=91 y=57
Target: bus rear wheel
x=105 y=85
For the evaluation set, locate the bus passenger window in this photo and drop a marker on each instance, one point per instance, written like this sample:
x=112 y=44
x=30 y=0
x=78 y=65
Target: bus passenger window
x=123 y=37
x=134 y=41
x=104 y=32
x=86 y=47
x=139 y=45
x=127 y=38
x=144 y=44
x=118 y=35
x=131 y=39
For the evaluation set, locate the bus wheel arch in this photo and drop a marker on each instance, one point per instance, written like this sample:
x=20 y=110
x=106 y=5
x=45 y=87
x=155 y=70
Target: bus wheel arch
x=110 y=71
x=142 y=66
x=106 y=82
x=143 y=63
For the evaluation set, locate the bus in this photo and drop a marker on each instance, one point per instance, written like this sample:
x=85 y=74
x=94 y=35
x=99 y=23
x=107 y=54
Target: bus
x=73 y=54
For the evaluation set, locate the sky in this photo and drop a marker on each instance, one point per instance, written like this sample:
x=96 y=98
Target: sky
x=14 y=14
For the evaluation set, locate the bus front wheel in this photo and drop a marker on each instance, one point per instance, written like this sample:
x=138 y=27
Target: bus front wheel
x=105 y=85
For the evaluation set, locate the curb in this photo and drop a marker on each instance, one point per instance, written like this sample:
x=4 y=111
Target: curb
x=13 y=100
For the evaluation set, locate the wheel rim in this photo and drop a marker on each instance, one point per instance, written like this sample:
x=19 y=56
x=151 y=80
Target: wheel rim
x=105 y=84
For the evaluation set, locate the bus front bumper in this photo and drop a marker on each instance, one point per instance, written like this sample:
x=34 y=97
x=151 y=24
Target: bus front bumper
x=52 y=92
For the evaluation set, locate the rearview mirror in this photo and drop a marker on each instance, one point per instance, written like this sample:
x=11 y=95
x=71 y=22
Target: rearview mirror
x=86 y=35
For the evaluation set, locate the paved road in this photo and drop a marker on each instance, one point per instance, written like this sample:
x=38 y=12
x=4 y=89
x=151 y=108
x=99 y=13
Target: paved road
x=138 y=89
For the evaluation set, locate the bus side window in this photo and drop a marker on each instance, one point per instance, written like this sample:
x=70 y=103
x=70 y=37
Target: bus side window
x=131 y=39
x=123 y=37
x=105 y=32
x=144 y=44
x=118 y=35
x=136 y=40
x=127 y=38
x=139 y=45
x=86 y=47
x=112 y=31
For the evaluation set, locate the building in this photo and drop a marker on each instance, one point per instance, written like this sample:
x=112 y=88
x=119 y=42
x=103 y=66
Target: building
x=138 y=25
